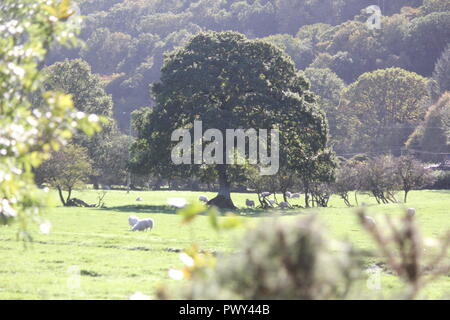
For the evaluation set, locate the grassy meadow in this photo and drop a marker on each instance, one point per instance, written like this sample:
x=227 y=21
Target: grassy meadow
x=114 y=263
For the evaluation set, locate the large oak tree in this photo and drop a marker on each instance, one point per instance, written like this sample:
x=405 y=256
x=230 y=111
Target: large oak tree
x=229 y=81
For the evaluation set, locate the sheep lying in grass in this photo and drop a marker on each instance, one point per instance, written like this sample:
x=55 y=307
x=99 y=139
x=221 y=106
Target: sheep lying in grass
x=203 y=198
x=249 y=203
x=132 y=220
x=283 y=205
x=295 y=196
x=140 y=225
x=143 y=225
x=139 y=199
x=265 y=194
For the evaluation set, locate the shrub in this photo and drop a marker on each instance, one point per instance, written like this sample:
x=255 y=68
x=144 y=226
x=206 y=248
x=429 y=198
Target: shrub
x=442 y=181
x=297 y=259
x=280 y=260
x=347 y=180
x=378 y=178
x=412 y=174
x=66 y=170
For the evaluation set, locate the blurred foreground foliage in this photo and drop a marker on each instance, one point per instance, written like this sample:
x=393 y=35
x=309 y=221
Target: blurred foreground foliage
x=28 y=133
x=297 y=259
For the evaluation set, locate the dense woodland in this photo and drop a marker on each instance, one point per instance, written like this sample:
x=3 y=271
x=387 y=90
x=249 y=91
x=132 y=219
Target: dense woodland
x=383 y=90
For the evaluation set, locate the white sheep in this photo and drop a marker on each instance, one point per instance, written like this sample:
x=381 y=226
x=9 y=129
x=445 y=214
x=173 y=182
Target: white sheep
x=283 y=205
x=143 y=225
x=295 y=196
x=265 y=194
x=288 y=194
x=203 y=198
x=249 y=203
x=132 y=220
x=139 y=199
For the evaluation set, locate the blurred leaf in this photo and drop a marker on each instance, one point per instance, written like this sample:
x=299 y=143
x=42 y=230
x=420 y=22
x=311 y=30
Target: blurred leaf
x=212 y=213
x=191 y=211
x=231 y=221
x=50 y=10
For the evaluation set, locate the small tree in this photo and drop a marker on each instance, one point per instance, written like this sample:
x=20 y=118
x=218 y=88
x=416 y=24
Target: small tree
x=74 y=77
x=66 y=170
x=260 y=184
x=321 y=194
x=315 y=172
x=412 y=174
x=286 y=180
x=377 y=176
x=346 y=180
x=112 y=158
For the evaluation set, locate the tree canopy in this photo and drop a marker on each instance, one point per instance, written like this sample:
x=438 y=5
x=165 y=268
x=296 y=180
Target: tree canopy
x=441 y=75
x=328 y=87
x=126 y=40
x=431 y=139
x=381 y=109
x=66 y=170
x=75 y=77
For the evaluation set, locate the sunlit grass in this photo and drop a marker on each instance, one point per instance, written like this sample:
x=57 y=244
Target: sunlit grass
x=114 y=262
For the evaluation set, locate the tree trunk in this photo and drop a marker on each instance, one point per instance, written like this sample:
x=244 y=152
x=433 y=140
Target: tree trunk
x=261 y=202
x=344 y=197
x=223 y=198
x=128 y=182
x=95 y=183
x=275 y=197
x=157 y=184
x=68 y=195
x=61 y=197
x=284 y=195
x=306 y=199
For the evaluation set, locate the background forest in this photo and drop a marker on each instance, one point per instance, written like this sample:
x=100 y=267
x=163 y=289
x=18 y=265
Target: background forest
x=383 y=90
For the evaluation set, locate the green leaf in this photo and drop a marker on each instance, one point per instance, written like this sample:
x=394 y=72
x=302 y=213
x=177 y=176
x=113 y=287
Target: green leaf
x=231 y=221
x=191 y=211
x=212 y=213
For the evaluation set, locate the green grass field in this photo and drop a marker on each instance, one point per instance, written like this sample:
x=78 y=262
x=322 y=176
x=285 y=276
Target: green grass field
x=114 y=262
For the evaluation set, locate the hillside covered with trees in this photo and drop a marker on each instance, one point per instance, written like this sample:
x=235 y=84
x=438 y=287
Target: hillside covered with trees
x=382 y=90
